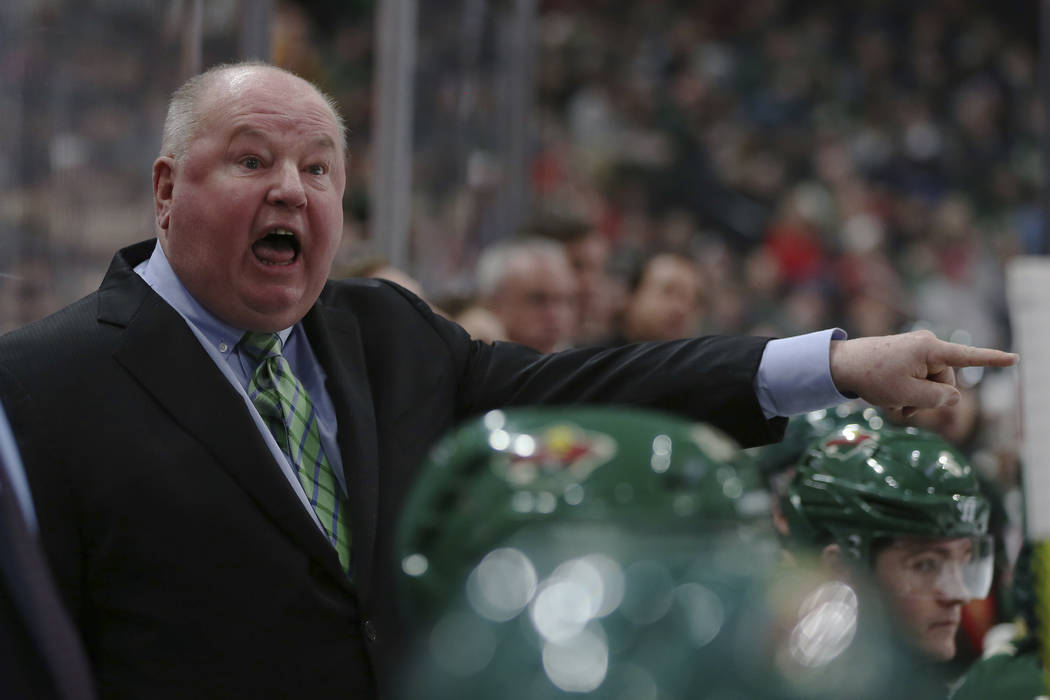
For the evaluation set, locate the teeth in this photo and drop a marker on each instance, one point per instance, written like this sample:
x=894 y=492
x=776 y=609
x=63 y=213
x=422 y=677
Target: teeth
x=280 y=232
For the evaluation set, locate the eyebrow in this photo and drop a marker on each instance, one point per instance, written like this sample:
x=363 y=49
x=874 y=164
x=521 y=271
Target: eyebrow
x=942 y=550
x=324 y=141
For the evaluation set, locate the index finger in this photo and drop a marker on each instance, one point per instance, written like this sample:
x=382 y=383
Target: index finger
x=955 y=355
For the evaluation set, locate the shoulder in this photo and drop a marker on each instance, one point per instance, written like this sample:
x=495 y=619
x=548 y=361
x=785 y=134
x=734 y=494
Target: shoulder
x=1005 y=676
x=52 y=334
x=365 y=293
x=40 y=358
x=381 y=305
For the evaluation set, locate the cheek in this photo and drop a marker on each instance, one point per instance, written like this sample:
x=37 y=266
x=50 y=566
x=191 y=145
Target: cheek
x=909 y=609
x=333 y=238
x=912 y=610
x=202 y=241
x=326 y=210
x=326 y=225
x=916 y=615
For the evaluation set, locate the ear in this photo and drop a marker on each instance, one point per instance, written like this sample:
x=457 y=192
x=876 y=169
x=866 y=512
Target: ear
x=163 y=188
x=833 y=559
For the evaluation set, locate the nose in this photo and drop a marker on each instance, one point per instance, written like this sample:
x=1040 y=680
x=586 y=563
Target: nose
x=287 y=187
x=951 y=586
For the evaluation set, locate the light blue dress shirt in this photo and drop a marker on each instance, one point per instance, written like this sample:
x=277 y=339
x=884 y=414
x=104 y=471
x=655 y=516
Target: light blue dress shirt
x=793 y=376
x=220 y=339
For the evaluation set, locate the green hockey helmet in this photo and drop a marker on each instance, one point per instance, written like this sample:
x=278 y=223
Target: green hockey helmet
x=578 y=468
x=779 y=458
x=862 y=488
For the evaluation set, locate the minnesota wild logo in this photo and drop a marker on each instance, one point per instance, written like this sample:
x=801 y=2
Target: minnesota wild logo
x=560 y=454
x=846 y=441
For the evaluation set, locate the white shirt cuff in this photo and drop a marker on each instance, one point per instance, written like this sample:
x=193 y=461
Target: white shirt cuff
x=794 y=375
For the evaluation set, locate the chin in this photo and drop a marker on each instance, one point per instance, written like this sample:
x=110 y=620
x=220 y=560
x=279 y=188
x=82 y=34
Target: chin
x=940 y=651
x=266 y=320
x=281 y=311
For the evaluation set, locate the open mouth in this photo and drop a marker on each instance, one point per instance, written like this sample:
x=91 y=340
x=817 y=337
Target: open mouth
x=278 y=247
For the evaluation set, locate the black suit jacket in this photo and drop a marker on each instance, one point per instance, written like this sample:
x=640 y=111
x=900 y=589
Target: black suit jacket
x=189 y=564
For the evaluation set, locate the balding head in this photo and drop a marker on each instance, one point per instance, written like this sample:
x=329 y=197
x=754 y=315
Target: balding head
x=191 y=104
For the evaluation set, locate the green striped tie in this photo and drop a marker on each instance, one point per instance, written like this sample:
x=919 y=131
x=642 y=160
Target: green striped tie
x=283 y=403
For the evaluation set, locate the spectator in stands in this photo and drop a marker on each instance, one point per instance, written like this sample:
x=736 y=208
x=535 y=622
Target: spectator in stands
x=530 y=286
x=596 y=293
x=664 y=300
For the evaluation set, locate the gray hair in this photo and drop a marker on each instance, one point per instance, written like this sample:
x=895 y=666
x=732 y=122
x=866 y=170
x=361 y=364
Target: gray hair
x=495 y=261
x=184 y=116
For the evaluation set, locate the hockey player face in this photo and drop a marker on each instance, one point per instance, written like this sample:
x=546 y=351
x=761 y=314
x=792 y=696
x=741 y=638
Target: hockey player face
x=927 y=581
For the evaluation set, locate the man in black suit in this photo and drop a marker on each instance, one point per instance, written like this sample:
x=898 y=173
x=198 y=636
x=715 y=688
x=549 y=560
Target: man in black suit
x=41 y=656
x=184 y=534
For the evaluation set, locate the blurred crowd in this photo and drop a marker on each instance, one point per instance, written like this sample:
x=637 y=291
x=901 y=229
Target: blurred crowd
x=83 y=93
x=766 y=167
x=867 y=165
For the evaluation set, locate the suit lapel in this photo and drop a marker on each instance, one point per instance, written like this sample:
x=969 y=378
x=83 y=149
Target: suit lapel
x=164 y=355
x=336 y=341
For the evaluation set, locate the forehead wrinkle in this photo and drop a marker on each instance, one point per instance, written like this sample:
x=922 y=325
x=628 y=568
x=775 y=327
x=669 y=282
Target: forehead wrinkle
x=247 y=92
x=257 y=128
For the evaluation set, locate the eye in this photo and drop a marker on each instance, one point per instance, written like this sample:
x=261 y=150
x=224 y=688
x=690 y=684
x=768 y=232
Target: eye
x=251 y=162
x=927 y=565
x=317 y=169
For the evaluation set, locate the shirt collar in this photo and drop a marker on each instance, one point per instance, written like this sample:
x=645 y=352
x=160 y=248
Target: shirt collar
x=156 y=271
